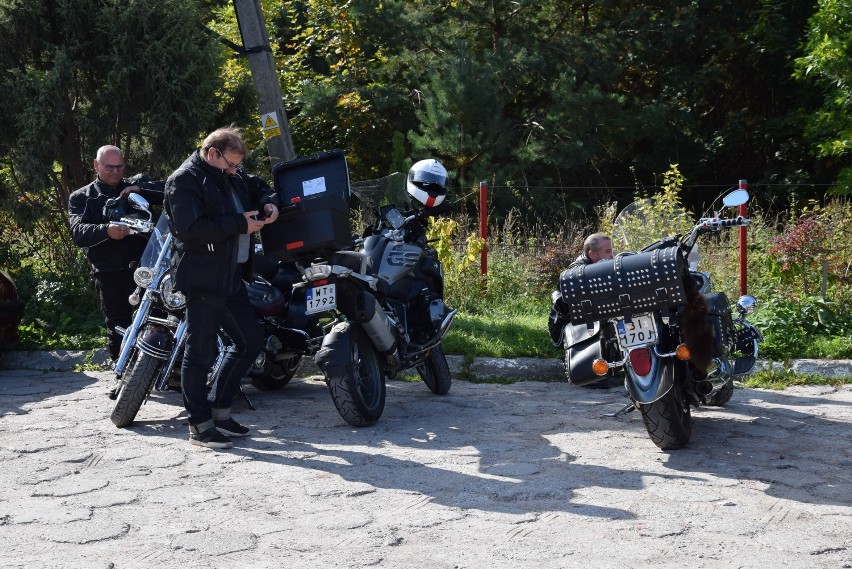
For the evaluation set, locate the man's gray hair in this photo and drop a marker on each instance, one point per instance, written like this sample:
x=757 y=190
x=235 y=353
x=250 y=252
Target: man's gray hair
x=107 y=148
x=592 y=241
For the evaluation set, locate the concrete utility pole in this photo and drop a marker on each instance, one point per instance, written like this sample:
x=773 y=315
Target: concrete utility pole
x=273 y=119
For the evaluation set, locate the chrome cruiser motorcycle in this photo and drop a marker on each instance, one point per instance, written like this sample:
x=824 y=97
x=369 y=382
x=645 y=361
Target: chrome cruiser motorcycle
x=152 y=346
x=653 y=316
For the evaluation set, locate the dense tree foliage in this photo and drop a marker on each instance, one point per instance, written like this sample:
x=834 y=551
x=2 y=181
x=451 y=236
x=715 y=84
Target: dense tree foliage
x=530 y=94
x=826 y=64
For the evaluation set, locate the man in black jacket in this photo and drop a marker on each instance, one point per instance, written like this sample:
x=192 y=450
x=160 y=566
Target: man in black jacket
x=113 y=250
x=596 y=247
x=213 y=209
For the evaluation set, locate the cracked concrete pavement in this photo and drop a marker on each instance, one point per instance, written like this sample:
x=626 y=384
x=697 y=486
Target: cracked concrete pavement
x=530 y=474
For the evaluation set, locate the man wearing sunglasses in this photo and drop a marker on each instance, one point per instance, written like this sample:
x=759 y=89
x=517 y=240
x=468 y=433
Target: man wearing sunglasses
x=213 y=209
x=113 y=251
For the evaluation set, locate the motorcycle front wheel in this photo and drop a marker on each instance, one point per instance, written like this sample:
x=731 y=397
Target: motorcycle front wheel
x=435 y=372
x=275 y=375
x=133 y=392
x=668 y=420
x=359 y=392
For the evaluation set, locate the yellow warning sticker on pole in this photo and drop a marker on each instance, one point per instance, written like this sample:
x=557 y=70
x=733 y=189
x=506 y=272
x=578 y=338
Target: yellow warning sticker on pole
x=269 y=125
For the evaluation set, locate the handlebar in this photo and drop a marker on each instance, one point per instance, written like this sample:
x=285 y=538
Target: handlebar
x=717 y=223
x=136 y=225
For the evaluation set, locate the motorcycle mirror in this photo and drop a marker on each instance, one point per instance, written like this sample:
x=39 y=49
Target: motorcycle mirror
x=735 y=198
x=138 y=201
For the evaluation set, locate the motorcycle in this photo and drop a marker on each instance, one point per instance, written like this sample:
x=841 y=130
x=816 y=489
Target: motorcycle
x=290 y=333
x=152 y=347
x=388 y=299
x=652 y=314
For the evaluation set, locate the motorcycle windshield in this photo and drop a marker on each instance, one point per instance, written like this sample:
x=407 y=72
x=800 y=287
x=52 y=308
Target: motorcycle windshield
x=371 y=194
x=646 y=221
x=155 y=242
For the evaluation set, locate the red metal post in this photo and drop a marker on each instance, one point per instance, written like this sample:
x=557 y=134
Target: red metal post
x=743 y=241
x=483 y=232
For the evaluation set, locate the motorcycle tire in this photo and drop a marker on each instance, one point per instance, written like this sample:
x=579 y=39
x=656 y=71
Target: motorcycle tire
x=723 y=395
x=132 y=394
x=275 y=375
x=435 y=372
x=669 y=420
x=359 y=392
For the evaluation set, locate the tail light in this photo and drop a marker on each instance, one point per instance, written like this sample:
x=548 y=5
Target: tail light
x=318 y=272
x=640 y=360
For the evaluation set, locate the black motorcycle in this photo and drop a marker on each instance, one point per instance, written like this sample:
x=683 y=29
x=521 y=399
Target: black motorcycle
x=290 y=332
x=388 y=296
x=653 y=316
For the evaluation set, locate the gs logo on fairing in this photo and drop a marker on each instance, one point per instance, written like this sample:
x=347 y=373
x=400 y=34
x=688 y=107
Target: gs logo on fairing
x=399 y=257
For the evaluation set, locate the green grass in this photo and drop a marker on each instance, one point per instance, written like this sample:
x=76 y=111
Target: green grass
x=501 y=333
x=783 y=378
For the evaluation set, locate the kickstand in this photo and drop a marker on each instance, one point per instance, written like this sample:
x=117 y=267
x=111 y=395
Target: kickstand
x=624 y=410
x=247 y=400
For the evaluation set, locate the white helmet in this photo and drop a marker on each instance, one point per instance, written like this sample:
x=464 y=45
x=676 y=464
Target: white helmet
x=427 y=182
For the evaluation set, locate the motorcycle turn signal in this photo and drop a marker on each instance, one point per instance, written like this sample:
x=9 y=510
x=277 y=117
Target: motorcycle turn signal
x=682 y=352
x=600 y=367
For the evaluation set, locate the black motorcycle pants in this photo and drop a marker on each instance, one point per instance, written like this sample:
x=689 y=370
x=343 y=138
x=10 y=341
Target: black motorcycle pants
x=113 y=288
x=206 y=314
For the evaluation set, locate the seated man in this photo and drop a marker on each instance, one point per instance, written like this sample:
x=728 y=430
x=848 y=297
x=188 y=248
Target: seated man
x=596 y=247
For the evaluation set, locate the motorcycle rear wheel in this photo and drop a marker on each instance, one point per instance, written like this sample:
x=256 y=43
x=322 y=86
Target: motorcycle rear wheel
x=669 y=420
x=724 y=395
x=435 y=372
x=359 y=392
x=275 y=375
x=140 y=378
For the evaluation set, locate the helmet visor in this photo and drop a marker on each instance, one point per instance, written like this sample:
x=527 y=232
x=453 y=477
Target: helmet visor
x=426 y=177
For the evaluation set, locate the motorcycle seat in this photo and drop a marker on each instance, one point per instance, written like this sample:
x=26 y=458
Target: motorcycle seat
x=266 y=300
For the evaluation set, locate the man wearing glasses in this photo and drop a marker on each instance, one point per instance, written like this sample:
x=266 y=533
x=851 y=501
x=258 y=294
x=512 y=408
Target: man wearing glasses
x=113 y=251
x=213 y=209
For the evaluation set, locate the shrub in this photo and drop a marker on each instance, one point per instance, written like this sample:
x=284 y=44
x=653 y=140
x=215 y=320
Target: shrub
x=814 y=252
x=805 y=327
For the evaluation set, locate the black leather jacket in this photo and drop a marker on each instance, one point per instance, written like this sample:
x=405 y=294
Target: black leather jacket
x=559 y=318
x=206 y=224
x=89 y=225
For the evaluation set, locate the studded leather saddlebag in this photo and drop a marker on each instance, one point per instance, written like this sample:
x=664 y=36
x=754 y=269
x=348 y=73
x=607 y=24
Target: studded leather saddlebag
x=624 y=286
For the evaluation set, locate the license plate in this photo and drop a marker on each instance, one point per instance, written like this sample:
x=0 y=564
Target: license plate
x=642 y=330
x=321 y=298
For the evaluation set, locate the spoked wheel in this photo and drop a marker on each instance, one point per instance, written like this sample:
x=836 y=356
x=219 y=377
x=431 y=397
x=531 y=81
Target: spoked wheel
x=134 y=390
x=669 y=420
x=435 y=372
x=275 y=375
x=359 y=392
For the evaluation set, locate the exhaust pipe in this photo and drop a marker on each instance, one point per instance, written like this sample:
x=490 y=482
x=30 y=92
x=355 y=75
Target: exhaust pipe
x=718 y=372
x=378 y=327
x=703 y=387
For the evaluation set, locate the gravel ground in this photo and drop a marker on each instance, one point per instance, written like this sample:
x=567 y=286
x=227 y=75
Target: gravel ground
x=530 y=474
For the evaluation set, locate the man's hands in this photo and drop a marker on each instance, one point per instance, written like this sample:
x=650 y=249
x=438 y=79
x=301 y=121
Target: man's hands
x=116 y=231
x=129 y=190
x=254 y=224
x=271 y=212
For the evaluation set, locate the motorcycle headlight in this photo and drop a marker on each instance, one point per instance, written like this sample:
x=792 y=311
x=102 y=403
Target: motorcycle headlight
x=143 y=276
x=174 y=299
